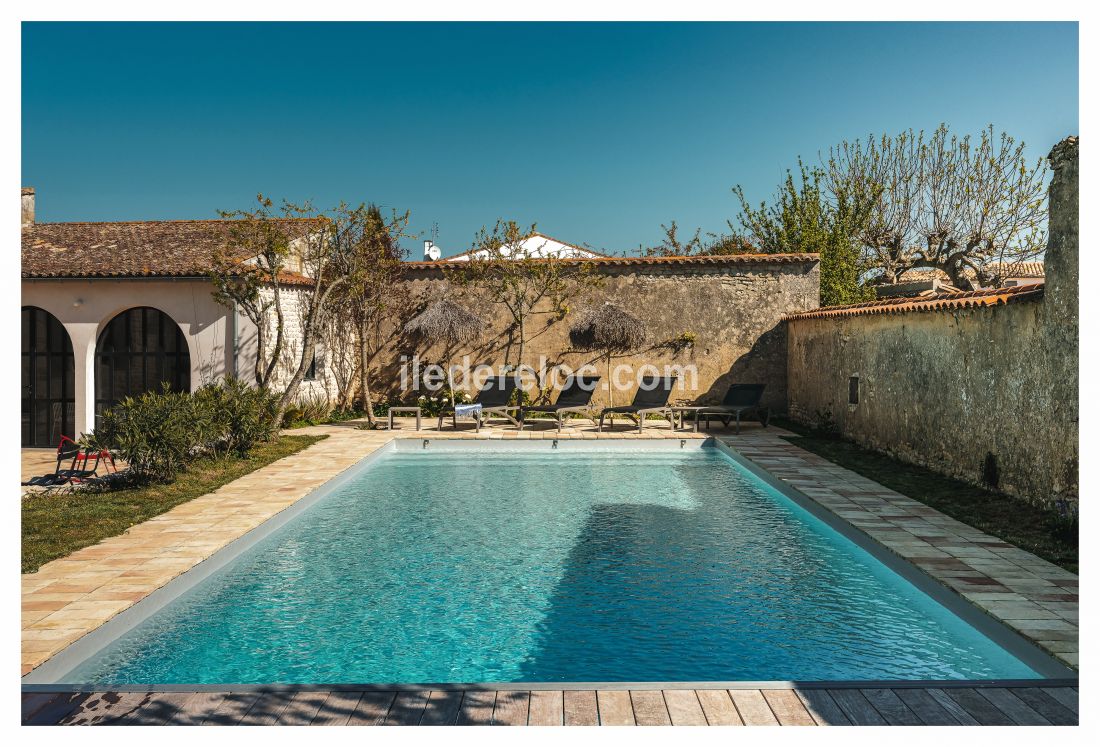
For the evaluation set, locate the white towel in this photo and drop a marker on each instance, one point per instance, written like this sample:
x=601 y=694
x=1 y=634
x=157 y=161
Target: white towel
x=464 y=411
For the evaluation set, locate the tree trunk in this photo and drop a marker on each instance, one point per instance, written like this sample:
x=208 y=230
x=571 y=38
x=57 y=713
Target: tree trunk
x=364 y=373
x=261 y=347
x=280 y=327
x=522 y=342
x=309 y=350
x=347 y=389
x=610 y=385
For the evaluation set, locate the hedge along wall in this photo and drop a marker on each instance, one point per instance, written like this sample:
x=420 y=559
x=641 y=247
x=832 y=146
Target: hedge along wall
x=732 y=305
x=968 y=391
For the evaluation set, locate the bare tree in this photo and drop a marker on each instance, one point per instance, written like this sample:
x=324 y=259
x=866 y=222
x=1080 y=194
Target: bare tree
x=521 y=279
x=373 y=294
x=342 y=259
x=944 y=202
x=247 y=273
x=339 y=329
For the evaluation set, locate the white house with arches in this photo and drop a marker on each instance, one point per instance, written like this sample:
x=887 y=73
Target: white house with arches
x=114 y=309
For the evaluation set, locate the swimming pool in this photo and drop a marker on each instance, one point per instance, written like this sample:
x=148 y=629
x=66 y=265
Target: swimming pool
x=471 y=562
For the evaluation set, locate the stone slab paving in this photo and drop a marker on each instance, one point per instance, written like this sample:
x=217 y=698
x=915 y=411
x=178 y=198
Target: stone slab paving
x=34 y=462
x=1034 y=597
x=1027 y=706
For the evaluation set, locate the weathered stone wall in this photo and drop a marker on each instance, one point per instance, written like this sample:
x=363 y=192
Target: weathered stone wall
x=733 y=308
x=946 y=389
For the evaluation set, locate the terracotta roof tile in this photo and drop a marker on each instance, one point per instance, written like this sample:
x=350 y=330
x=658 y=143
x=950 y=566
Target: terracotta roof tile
x=720 y=259
x=179 y=248
x=1006 y=269
x=937 y=302
x=184 y=248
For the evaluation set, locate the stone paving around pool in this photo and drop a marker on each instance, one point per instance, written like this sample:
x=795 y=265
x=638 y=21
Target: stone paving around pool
x=1029 y=594
x=71 y=596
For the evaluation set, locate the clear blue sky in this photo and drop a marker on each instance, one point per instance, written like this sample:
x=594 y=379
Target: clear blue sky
x=599 y=132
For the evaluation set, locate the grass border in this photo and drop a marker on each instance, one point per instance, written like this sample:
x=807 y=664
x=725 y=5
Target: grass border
x=57 y=525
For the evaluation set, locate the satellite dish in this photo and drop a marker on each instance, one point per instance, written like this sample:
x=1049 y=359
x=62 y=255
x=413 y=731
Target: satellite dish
x=432 y=253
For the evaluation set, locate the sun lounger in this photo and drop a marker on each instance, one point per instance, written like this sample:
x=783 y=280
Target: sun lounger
x=650 y=399
x=574 y=397
x=740 y=399
x=494 y=399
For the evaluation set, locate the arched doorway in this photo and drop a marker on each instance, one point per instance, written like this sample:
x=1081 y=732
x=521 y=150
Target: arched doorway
x=136 y=351
x=47 y=374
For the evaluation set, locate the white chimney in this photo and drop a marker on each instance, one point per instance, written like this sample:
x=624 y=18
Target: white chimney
x=431 y=251
x=27 y=204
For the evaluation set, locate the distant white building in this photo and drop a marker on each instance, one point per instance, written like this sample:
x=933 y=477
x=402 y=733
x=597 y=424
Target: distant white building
x=535 y=245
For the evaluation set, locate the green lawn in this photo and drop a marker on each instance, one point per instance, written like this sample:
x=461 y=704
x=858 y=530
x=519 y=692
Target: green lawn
x=56 y=525
x=1037 y=530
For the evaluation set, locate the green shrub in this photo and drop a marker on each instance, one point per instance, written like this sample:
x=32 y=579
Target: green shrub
x=382 y=409
x=240 y=415
x=156 y=433
x=293 y=417
x=311 y=410
x=339 y=416
x=160 y=432
x=433 y=405
x=316 y=408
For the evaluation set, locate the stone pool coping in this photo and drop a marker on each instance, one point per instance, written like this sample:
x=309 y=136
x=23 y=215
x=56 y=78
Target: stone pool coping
x=69 y=597
x=1030 y=595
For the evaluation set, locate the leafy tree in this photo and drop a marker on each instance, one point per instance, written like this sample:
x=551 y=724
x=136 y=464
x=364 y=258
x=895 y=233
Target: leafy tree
x=944 y=202
x=520 y=279
x=803 y=218
x=673 y=245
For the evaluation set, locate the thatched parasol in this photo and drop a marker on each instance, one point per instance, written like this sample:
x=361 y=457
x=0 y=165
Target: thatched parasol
x=608 y=329
x=448 y=322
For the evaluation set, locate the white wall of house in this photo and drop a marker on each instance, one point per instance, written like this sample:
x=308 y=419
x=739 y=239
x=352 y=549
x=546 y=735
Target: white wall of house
x=324 y=385
x=84 y=307
x=533 y=246
x=216 y=345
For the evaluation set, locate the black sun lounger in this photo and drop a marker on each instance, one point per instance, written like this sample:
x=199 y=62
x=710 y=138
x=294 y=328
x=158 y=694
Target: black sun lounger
x=651 y=398
x=495 y=398
x=740 y=399
x=574 y=397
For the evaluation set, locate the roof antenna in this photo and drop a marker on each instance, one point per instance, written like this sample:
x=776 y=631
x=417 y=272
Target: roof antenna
x=431 y=249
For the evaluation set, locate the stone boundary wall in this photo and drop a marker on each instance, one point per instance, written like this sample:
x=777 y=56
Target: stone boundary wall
x=733 y=307
x=986 y=393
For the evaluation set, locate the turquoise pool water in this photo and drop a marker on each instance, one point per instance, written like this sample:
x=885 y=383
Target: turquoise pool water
x=556 y=566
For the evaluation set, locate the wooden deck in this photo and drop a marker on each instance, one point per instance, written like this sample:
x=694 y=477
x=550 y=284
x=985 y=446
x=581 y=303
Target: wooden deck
x=953 y=706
